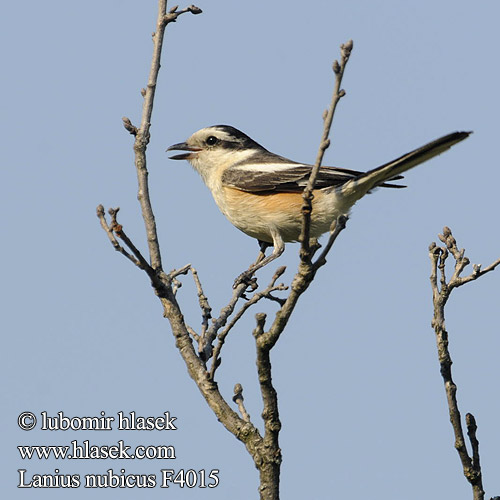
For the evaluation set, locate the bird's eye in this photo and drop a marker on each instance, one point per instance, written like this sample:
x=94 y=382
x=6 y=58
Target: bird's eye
x=212 y=140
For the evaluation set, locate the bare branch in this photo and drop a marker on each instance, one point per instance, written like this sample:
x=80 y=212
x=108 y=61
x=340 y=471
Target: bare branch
x=270 y=414
x=142 y=134
x=166 y=285
x=307 y=270
x=338 y=93
x=441 y=293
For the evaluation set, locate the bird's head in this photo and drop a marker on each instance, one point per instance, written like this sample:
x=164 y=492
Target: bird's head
x=215 y=147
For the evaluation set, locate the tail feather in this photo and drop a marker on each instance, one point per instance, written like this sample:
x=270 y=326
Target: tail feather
x=358 y=187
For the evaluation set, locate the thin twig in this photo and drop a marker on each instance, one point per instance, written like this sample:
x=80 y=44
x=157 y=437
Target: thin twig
x=193 y=333
x=208 y=338
x=128 y=125
x=118 y=230
x=266 y=293
x=206 y=310
x=238 y=399
x=177 y=272
x=172 y=276
x=104 y=224
x=337 y=227
x=470 y=422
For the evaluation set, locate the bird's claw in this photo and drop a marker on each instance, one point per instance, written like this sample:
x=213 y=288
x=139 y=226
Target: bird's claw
x=247 y=279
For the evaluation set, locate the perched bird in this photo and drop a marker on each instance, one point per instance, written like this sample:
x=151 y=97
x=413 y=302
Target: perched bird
x=261 y=192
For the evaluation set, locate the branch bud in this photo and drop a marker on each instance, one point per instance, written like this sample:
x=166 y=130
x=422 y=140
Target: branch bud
x=194 y=10
x=346 y=48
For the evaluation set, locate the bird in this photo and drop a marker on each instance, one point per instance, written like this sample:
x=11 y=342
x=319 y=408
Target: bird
x=260 y=192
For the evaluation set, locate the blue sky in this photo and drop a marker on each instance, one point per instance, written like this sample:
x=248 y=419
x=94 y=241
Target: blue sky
x=361 y=399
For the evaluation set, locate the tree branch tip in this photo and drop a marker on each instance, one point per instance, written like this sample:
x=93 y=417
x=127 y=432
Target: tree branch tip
x=100 y=210
x=336 y=67
x=176 y=272
x=113 y=211
x=173 y=13
x=194 y=10
x=238 y=399
x=340 y=223
x=279 y=272
x=260 y=318
x=346 y=49
x=129 y=126
x=342 y=93
x=470 y=420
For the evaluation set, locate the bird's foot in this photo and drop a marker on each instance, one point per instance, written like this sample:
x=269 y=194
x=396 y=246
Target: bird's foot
x=246 y=278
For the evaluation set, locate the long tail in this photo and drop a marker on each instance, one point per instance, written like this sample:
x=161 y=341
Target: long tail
x=358 y=187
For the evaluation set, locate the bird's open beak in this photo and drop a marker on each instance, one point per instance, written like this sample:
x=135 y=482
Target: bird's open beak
x=183 y=146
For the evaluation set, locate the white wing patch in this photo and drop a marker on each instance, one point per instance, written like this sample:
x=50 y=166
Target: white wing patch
x=268 y=167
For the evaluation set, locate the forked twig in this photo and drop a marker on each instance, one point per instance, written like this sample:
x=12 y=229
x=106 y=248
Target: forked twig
x=266 y=293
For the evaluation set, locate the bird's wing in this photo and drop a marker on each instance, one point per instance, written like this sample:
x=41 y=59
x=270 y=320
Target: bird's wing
x=269 y=173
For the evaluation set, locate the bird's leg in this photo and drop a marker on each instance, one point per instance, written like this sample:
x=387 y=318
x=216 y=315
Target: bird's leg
x=264 y=245
x=262 y=260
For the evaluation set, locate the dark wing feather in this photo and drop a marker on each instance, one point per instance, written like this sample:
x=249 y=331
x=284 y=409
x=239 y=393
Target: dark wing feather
x=284 y=176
